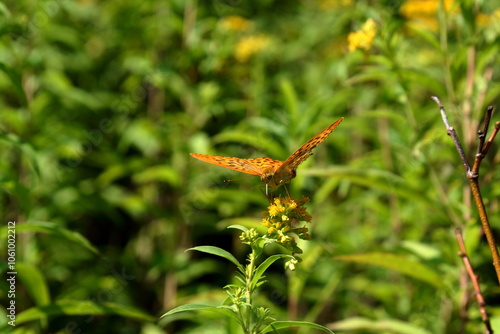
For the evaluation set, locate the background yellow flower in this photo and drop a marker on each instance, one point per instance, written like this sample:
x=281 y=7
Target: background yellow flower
x=363 y=38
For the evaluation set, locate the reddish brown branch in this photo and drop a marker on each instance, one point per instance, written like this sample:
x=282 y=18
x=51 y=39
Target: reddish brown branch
x=473 y=176
x=474 y=279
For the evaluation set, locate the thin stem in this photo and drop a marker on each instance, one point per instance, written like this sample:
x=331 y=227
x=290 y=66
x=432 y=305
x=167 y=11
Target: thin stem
x=474 y=279
x=472 y=177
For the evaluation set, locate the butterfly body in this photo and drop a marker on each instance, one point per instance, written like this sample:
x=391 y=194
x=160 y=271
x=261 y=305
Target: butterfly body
x=273 y=173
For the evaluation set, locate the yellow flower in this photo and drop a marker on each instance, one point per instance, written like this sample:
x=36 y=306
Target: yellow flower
x=424 y=11
x=284 y=216
x=363 y=38
x=484 y=20
x=236 y=23
x=250 y=45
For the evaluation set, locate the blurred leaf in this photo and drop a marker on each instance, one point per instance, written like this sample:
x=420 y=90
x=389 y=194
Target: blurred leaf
x=15 y=78
x=54 y=229
x=471 y=236
x=384 y=325
x=426 y=35
x=77 y=307
x=141 y=134
x=397 y=263
x=289 y=324
x=421 y=249
x=246 y=222
x=25 y=147
x=34 y=282
x=290 y=98
x=262 y=143
x=160 y=173
x=378 y=179
x=4 y=10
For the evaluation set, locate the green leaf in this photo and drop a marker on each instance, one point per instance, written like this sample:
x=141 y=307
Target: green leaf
x=377 y=179
x=287 y=324
x=238 y=227
x=78 y=307
x=34 y=282
x=263 y=143
x=290 y=98
x=24 y=146
x=421 y=249
x=159 y=173
x=222 y=310
x=217 y=251
x=397 y=263
x=261 y=269
x=385 y=325
x=15 y=78
x=54 y=229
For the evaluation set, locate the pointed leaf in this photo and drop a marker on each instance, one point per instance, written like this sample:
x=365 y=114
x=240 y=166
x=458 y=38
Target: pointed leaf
x=261 y=269
x=54 y=229
x=238 y=227
x=222 y=310
x=217 y=251
x=34 y=282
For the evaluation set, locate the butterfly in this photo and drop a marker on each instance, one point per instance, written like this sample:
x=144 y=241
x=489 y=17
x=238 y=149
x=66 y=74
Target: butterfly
x=273 y=173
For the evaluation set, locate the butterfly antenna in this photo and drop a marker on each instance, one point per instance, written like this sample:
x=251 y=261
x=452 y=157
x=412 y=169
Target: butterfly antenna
x=241 y=178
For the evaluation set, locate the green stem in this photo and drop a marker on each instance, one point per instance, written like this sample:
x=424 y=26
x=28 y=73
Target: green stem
x=248 y=288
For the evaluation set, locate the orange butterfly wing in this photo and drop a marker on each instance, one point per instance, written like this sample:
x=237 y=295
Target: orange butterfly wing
x=305 y=150
x=250 y=166
x=273 y=172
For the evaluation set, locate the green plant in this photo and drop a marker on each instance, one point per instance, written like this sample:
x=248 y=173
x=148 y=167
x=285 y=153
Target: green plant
x=283 y=217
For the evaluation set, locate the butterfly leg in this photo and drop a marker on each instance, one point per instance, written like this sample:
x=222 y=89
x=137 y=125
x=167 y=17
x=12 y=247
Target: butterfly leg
x=286 y=186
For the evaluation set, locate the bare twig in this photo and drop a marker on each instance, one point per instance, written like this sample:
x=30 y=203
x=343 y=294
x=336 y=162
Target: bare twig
x=453 y=134
x=490 y=140
x=473 y=175
x=482 y=133
x=474 y=279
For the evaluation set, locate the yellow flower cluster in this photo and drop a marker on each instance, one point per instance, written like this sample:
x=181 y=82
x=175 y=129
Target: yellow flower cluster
x=282 y=215
x=363 y=38
x=250 y=45
x=236 y=23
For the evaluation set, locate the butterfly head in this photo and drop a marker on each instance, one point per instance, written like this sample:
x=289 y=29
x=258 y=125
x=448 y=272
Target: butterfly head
x=276 y=178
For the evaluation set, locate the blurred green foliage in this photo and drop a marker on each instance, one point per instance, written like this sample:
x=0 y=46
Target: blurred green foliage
x=102 y=102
